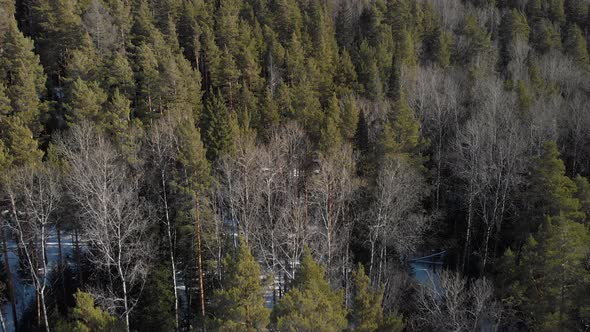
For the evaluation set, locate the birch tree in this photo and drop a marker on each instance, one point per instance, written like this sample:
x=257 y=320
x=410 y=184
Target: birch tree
x=114 y=218
x=34 y=195
x=331 y=193
x=395 y=216
x=160 y=149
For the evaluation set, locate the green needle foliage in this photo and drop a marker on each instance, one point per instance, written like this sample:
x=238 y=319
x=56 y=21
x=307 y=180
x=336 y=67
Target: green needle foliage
x=240 y=302
x=311 y=305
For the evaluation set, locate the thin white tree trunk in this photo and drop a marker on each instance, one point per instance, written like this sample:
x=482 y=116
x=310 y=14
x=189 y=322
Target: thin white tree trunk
x=171 y=249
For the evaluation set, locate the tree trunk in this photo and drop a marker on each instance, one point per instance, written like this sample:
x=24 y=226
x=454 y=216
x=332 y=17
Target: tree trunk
x=42 y=288
x=125 y=302
x=200 y=262
x=171 y=250
x=468 y=234
x=46 y=321
x=78 y=263
x=61 y=261
x=2 y=322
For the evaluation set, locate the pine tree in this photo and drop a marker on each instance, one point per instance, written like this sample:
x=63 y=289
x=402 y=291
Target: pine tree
x=209 y=58
x=240 y=303
x=267 y=117
x=118 y=75
x=576 y=46
x=556 y=11
x=157 y=312
x=227 y=19
x=514 y=28
x=311 y=305
x=552 y=192
x=549 y=280
x=368 y=72
x=143 y=30
x=367 y=312
x=295 y=61
x=217 y=127
x=346 y=79
x=583 y=195
x=545 y=36
x=86 y=103
x=405 y=127
x=286 y=18
x=20 y=143
x=86 y=317
x=23 y=75
x=524 y=98
x=227 y=78
x=148 y=82
x=349 y=117
x=191 y=184
x=59 y=30
x=444 y=41
x=479 y=41
x=330 y=136
x=117 y=116
x=307 y=109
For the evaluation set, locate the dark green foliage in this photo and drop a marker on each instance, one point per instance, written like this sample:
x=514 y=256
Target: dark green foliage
x=217 y=126
x=311 y=305
x=551 y=190
x=367 y=311
x=547 y=282
x=240 y=302
x=156 y=306
x=86 y=317
x=576 y=45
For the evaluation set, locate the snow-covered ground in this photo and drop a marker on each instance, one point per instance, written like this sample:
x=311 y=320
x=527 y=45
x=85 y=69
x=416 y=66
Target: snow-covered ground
x=24 y=291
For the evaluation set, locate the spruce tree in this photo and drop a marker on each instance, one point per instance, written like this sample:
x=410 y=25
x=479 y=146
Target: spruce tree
x=240 y=303
x=311 y=305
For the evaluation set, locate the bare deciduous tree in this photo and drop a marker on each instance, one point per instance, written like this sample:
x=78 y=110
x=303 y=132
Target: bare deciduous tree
x=114 y=218
x=331 y=192
x=437 y=101
x=161 y=153
x=489 y=151
x=34 y=195
x=395 y=217
x=451 y=303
